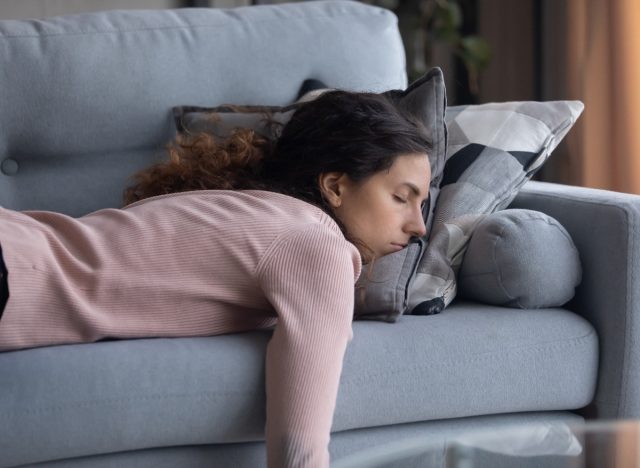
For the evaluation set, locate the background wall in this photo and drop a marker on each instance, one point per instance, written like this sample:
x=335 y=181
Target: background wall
x=511 y=29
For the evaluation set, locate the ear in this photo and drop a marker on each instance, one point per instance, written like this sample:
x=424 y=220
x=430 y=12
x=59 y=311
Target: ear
x=332 y=186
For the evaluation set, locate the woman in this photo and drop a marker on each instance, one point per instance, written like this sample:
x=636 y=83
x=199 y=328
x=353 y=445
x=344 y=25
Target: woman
x=260 y=235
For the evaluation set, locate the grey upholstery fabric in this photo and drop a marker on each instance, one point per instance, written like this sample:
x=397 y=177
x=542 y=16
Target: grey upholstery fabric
x=604 y=227
x=86 y=99
x=166 y=392
x=520 y=258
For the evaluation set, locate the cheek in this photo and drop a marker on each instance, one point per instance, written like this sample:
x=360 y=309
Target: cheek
x=380 y=219
x=361 y=219
x=371 y=216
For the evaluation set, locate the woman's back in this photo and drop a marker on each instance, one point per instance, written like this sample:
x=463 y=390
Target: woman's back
x=185 y=264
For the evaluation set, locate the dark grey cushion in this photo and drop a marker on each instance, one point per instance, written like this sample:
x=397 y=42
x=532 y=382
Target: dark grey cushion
x=520 y=258
x=221 y=121
x=472 y=359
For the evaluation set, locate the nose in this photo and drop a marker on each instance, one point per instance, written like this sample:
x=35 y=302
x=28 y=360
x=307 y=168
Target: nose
x=415 y=226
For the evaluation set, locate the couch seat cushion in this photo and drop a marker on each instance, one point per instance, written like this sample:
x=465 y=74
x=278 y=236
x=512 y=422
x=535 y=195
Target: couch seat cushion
x=469 y=360
x=67 y=401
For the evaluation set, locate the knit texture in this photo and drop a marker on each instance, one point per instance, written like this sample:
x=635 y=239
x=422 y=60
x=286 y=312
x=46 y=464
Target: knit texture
x=197 y=264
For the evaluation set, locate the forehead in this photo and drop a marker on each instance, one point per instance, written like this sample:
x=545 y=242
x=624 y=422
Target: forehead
x=412 y=169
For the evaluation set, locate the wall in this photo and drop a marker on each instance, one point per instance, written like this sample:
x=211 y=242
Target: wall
x=509 y=27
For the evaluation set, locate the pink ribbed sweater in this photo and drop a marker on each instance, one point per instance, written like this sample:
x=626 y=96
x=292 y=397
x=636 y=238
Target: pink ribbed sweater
x=197 y=264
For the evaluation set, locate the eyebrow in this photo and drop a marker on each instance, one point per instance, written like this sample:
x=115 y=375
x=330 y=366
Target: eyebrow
x=413 y=188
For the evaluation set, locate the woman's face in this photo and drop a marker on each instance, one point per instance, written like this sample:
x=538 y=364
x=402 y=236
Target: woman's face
x=385 y=210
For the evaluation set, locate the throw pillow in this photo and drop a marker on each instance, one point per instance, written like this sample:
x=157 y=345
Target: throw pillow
x=382 y=290
x=520 y=258
x=493 y=150
x=220 y=121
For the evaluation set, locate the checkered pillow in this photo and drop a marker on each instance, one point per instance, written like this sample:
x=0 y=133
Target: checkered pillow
x=493 y=150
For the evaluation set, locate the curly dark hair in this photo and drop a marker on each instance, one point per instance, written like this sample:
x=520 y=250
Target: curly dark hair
x=203 y=162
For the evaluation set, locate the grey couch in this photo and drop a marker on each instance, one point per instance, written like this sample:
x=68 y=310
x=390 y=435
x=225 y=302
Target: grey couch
x=85 y=101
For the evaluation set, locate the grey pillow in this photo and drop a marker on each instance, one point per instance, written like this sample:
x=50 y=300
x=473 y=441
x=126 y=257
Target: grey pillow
x=220 y=121
x=493 y=150
x=520 y=258
x=382 y=290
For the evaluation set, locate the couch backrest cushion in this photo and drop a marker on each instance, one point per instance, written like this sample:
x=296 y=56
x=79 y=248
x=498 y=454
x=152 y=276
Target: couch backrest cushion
x=85 y=100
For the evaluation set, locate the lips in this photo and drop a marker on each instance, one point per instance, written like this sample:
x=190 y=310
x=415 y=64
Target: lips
x=398 y=246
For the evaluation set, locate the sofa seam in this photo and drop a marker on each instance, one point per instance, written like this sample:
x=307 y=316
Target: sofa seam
x=499 y=240
x=553 y=346
x=222 y=24
x=121 y=402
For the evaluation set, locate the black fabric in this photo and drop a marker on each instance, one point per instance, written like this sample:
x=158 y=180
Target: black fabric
x=310 y=85
x=526 y=158
x=4 y=286
x=460 y=162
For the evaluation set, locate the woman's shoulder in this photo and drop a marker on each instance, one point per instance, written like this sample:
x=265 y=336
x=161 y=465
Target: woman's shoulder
x=314 y=246
x=242 y=195
x=299 y=215
x=260 y=205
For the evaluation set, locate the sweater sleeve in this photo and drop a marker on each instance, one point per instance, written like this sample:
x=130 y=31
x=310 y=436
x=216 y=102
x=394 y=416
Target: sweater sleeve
x=308 y=276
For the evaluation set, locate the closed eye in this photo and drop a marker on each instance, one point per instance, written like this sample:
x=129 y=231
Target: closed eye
x=399 y=199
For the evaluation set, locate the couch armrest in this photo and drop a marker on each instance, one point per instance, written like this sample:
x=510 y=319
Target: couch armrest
x=605 y=228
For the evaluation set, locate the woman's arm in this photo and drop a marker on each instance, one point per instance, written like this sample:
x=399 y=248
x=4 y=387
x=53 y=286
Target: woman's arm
x=309 y=279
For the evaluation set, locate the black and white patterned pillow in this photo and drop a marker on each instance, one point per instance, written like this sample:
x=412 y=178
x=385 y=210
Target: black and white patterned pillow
x=493 y=150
